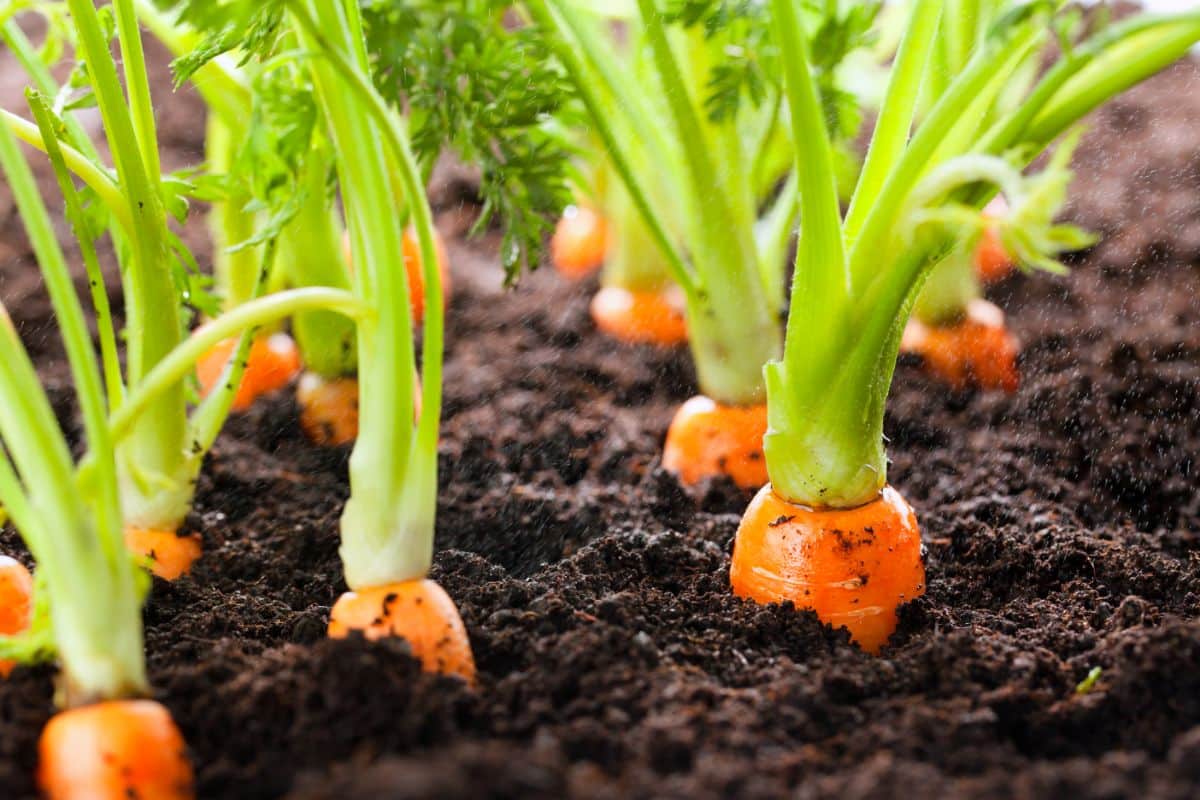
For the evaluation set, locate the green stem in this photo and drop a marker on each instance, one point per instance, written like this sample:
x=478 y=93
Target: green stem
x=229 y=223
x=387 y=525
x=951 y=286
x=75 y=534
x=154 y=465
x=310 y=246
x=179 y=363
x=137 y=83
x=567 y=47
x=96 y=177
x=897 y=113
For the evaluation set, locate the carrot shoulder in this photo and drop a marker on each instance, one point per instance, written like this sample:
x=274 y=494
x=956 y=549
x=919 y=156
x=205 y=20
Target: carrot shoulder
x=852 y=567
x=114 y=750
x=417 y=610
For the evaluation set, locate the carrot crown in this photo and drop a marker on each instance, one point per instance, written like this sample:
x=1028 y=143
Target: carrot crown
x=856 y=276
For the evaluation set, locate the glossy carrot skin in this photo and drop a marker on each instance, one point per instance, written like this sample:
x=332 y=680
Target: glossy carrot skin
x=114 y=750
x=979 y=350
x=16 y=603
x=579 y=243
x=852 y=567
x=272 y=363
x=170 y=555
x=707 y=439
x=419 y=611
x=641 y=317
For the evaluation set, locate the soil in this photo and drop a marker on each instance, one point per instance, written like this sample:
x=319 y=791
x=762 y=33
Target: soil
x=1060 y=522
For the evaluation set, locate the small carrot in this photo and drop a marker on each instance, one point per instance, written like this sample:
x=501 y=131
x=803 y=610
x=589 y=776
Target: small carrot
x=992 y=261
x=417 y=610
x=579 y=243
x=16 y=603
x=412 y=267
x=114 y=750
x=329 y=408
x=707 y=439
x=853 y=567
x=272 y=363
x=168 y=555
x=977 y=350
x=641 y=317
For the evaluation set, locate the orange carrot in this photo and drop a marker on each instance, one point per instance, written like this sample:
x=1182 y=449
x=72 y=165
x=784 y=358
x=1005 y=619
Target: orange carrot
x=977 y=350
x=419 y=611
x=412 y=267
x=992 y=261
x=168 y=554
x=852 y=567
x=114 y=750
x=272 y=363
x=16 y=603
x=328 y=408
x=707 y=439
x=641 y=317
x=579 y=243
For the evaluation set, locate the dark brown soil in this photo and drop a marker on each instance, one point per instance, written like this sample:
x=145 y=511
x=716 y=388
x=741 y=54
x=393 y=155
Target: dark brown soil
x=1060 y=524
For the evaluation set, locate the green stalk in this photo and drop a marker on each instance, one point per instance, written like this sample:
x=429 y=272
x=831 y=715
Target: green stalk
x=634 y=261
x=951 y=286
x=567 y=48
x=311 y=249
x=154 y=466
x=137 y=84
x=896 y=116
x=229 y=223
x=732 y=325
x=75 y=534
x=387 y=526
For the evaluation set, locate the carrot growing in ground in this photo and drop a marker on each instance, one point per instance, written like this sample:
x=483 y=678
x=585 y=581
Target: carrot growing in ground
x=963 y=338
x=694 y=186
x=106 y=742
x=158 y=461
x=828 y=533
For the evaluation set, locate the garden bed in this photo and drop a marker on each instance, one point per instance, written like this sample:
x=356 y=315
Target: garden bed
x=1061 y=524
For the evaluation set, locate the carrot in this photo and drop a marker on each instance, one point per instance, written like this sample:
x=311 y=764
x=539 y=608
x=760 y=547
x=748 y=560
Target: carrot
x=16 y=603
x=641 y=317
x=417 y=610
x=114 y=750
x=168 y=555
x=328 y=408
x=579 y=243
x=412 y=267
x=273 y=361
x=853 y=567
x=707 y=439
x=992 y=261
x=977 y=350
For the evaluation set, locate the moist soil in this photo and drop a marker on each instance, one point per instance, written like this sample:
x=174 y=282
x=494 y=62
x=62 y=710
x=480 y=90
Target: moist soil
x=1060 y=524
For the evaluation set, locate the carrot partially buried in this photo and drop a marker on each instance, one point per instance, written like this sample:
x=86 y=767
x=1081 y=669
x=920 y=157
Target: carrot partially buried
x=708 y=439
x=168 y=554
x=853 y=567
x=419 y=611
x=641 y=316
x=329 y=408
x=16 y=602
x=977 y=350
x=114 y=750
x=272 y=363
x=579 y=243
x=412 y=268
